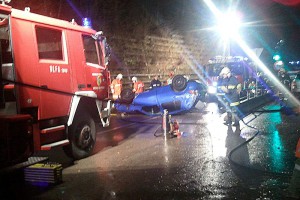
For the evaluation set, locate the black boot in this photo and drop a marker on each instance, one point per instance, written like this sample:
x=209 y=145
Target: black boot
x=236 y=121
x=229 y=119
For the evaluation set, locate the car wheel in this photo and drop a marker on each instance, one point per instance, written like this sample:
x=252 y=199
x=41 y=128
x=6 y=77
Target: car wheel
x=82 y=137
x=127 y=95
x=179 y=83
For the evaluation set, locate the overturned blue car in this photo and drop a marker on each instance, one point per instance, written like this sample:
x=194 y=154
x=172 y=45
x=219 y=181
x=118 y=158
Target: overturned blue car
x=180 y=96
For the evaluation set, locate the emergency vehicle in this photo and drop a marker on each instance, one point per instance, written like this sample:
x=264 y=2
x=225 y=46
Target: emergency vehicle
x=54 y=85
x=239 y=66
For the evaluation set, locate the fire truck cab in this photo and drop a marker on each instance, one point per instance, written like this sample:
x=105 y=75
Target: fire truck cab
x=54 y=85
x=239 y=66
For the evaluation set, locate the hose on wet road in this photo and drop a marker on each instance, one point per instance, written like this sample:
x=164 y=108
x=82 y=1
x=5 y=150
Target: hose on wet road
x=249 y=140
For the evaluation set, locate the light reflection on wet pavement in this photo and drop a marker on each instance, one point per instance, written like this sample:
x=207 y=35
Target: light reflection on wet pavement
x=130 y=162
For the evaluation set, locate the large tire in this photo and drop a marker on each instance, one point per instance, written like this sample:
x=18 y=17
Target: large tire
x=127 y=96
x=82 y=136
x=179 y=83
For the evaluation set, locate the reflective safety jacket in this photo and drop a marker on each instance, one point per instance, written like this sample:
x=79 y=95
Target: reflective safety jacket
x=138 y=87
x=232 y=87
x=155 y=83
x=116 y=87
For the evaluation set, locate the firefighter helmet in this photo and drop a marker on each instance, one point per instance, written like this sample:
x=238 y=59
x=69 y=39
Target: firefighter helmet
x=119 y=76
x=134 y=79
x=225 y=71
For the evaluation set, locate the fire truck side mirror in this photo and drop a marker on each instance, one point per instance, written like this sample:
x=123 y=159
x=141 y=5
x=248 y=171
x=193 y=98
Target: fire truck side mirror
x=98 y=36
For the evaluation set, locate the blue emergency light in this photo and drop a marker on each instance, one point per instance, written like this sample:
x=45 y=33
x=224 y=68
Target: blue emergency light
x=86 y=22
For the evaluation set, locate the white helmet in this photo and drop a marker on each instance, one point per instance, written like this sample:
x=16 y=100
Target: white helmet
x=119 y=76
x=225 y=71
x=134 y=79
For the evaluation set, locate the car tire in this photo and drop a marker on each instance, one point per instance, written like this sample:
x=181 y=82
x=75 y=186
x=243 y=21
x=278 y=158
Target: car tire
x=127 y=96
x=179 y=83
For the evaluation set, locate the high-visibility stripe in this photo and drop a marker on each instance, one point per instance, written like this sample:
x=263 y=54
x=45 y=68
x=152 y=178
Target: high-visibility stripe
x=235 y=103
x=231 y=86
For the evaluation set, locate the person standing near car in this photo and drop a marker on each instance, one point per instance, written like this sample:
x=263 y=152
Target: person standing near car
x=116 y=86
x=169 y=80
x=138 y=86
x=232 y=88
x=284 y=78
x=155 y=82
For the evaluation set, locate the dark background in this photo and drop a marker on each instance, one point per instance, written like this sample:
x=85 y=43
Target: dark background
x=266 y=21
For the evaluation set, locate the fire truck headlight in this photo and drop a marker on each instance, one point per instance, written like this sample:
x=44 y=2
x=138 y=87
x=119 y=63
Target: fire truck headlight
x=212 y=89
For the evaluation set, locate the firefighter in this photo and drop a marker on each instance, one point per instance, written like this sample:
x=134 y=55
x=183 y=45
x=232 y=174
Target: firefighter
x=284 y=78
x=116 y=86
x=232 y=88
x=138 y=86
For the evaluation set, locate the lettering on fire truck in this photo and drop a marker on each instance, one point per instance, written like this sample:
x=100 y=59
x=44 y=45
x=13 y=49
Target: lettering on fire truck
x=57 y=69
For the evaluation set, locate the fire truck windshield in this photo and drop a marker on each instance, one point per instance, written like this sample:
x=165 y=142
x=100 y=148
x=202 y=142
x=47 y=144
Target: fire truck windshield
x=213 y=70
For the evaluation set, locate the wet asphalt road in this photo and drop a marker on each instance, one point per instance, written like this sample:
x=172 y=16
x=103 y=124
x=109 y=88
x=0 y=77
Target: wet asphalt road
x=133 y=160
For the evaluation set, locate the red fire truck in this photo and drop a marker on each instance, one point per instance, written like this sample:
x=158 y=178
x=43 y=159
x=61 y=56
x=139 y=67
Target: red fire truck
x=54 y=85
x=239 y=66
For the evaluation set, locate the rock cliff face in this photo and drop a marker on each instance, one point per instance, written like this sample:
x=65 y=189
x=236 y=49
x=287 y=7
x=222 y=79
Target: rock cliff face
x=151 y=55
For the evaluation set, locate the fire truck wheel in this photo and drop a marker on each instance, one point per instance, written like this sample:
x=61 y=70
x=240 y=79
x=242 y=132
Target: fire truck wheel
x=179 y=83
x=82 y=137
x=127 y=96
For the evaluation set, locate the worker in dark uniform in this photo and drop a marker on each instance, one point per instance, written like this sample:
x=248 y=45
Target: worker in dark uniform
x=232 y=88
x=284 y=78
x=155 y=82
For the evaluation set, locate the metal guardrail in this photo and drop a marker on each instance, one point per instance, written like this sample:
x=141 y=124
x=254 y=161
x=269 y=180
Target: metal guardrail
x=251 y=94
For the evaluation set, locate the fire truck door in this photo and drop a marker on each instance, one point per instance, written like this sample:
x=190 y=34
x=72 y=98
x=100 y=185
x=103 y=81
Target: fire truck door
x=94 y=66
x=54 y=73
